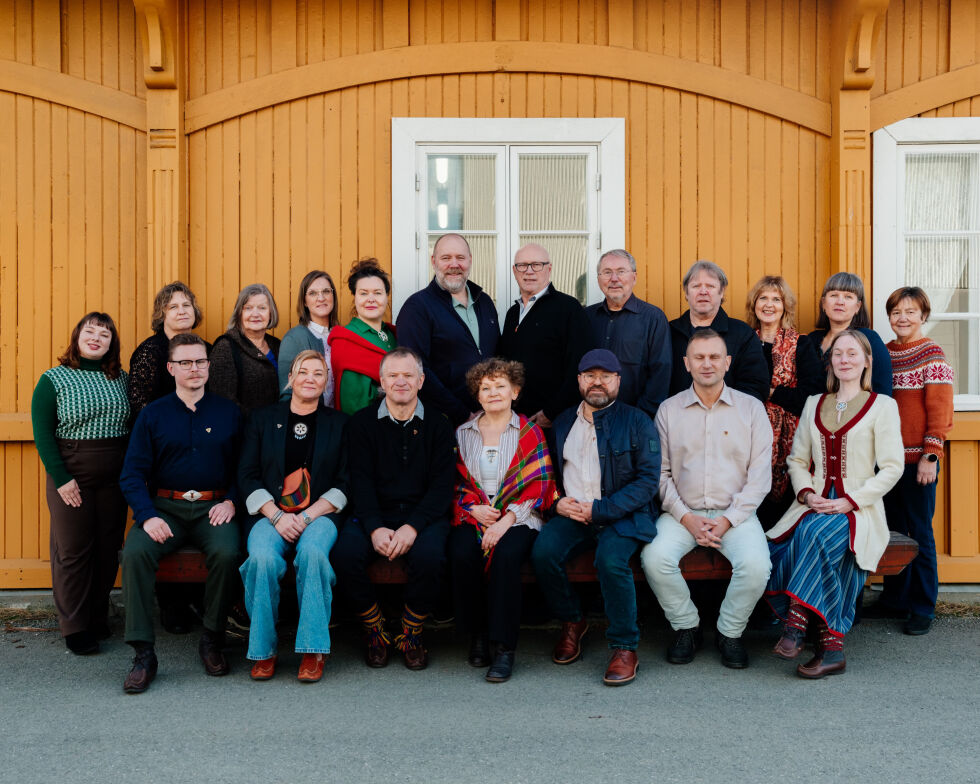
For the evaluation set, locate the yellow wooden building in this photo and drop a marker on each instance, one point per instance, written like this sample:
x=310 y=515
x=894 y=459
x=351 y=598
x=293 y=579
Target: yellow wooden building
x=225 y=143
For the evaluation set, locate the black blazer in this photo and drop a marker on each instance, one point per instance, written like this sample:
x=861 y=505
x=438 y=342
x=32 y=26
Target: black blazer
x=263 y=460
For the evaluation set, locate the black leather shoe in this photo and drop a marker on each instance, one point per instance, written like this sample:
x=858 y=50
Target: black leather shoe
x=686 y=642
x=479 y=651
x=502 y=667
x=213 y=659
x=732 y=651
x=82 y=643
x=917 y=625
x=143 y=672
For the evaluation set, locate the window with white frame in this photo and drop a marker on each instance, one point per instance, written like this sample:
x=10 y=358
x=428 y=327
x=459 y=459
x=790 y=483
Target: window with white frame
x=501 y=184
x=927 y=234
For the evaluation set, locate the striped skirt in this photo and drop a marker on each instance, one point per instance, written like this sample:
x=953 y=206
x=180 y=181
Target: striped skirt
x=815 y=568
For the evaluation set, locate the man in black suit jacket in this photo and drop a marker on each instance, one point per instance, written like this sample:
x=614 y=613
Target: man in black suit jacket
x=548 y=332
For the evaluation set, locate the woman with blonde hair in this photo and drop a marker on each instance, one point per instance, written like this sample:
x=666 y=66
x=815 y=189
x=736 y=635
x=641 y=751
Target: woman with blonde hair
x=795 y=373
x=835 y=532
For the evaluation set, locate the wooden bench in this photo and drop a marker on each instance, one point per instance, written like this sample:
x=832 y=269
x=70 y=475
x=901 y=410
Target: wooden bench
x=702 y=563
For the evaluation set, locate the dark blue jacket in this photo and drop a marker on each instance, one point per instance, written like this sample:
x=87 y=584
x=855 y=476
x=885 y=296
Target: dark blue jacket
x=881 y=360
x=629 y=458
x=429 y=324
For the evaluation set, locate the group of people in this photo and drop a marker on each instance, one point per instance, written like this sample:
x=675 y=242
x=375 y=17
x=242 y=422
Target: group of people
x=604 y=428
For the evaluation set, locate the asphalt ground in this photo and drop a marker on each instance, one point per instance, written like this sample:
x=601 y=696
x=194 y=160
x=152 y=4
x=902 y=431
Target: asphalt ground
x=905 y=711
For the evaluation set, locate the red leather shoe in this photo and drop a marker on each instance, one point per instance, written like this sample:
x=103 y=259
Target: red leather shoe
x=622 y=667
x=569 y=646
x=311 y=668
x=264 y=670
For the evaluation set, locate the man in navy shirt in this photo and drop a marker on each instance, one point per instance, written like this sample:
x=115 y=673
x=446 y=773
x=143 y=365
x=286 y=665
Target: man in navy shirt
x=178 y=478
x=635 y=331
x=452 y=325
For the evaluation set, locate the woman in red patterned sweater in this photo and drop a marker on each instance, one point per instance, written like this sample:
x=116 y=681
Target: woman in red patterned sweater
x=922 y=380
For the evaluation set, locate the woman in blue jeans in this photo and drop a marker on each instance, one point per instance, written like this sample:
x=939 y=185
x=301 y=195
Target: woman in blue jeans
x=293 y=476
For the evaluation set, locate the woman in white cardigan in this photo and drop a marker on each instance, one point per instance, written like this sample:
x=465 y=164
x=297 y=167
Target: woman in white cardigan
x=834 y=534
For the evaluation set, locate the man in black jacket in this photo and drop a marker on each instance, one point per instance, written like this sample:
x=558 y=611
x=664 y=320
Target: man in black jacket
x=548 y=332
x=402 y=469
x=704 y=287
x=452 y=325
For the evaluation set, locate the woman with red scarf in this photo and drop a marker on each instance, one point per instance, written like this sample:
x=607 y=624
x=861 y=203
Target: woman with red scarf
x=356 y=350
x=795 y=373
x=505 y=482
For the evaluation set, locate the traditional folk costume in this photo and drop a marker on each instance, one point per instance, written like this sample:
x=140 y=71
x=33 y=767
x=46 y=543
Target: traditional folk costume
x=356 y=352
x=820 y=561
x=527 y=488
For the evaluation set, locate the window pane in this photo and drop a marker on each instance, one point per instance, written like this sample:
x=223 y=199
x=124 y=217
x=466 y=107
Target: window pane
x=942 y=267
x=569 y=262
x=461 y=190
x=941 y=192
x=958 y=340
x=484 y=270
x=553 y=193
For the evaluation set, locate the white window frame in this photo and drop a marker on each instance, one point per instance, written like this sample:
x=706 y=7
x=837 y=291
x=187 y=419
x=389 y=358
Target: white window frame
x=888 y=256
x=410 y=267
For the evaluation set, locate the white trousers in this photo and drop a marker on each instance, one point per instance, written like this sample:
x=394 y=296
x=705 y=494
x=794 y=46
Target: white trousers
x=745 y=547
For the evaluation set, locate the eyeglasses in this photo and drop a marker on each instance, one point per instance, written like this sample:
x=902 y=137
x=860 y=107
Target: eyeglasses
x=317 y=293
x=537 y=266
x=604 y=378
x=187 y=364
x=619 y=273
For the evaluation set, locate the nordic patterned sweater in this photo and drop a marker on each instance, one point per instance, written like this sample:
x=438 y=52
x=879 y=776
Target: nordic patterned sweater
x=922 y=383
x=76 y=404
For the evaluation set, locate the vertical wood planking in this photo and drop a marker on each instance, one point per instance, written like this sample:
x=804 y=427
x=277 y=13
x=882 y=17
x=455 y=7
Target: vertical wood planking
x=213 y=261
x=24 y=177
x=229 y=227
x=964 y=486
x=46 y=34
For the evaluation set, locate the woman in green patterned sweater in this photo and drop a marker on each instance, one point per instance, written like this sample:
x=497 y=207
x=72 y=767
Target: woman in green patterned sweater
x=80 y=416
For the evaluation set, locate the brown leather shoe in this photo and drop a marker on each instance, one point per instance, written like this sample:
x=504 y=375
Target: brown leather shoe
x=790 y=645
x=824 y=663
x=264 y=669
x=311 y=668
x=416 y=657
x=143 y=672
x=375 y=653
x=621 y=668
x=569 y=646
x=213 y=659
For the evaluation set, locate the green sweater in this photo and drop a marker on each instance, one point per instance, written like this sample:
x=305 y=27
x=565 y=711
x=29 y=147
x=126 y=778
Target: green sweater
x=76 y=404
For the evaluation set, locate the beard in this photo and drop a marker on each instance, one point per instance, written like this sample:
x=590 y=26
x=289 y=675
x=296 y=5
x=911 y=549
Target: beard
x=598 y=397
x=452 y=287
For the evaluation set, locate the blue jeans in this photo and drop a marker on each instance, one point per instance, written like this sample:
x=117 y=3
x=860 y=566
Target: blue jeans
x=263 y=570
x=909 y=508
x=561 y=539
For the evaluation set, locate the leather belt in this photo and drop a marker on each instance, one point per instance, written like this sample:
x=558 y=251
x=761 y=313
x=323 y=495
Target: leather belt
x=192 y=495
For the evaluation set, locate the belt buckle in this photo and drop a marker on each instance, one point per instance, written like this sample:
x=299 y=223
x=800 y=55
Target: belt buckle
x=191 y=495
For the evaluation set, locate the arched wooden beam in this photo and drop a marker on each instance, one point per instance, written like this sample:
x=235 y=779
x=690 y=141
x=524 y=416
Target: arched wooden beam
x=81 y=94
x=924 y=96
x=512 y=57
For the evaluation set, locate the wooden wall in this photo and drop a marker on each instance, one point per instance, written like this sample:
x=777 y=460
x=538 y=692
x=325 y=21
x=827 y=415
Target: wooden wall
x=728 y=107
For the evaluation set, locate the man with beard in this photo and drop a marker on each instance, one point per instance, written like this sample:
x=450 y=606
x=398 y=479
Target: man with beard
x=607 y=458
x=452 y=325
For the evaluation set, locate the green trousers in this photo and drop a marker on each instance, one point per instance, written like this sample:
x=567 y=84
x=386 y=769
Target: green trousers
x=190 y=524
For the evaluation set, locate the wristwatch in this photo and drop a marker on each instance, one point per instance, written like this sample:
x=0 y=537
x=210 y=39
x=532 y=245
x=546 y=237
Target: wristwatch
x=306 y=517
x=932 y=458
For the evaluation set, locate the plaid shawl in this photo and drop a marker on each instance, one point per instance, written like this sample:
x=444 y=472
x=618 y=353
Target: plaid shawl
x=530 y=476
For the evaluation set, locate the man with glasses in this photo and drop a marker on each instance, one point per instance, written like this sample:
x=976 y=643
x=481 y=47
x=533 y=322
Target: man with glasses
x=607 y=457
x=452 y=325
x=635 y=331
x=179 y=479
x=548 y=331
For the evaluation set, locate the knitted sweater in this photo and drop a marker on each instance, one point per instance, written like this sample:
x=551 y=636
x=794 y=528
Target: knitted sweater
x=922 y=381
x=76 y=404
x=241 y=373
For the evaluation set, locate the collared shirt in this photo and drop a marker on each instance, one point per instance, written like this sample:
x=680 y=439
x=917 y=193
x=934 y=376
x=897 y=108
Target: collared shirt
x=714 y=458
x=470 y=441
x=467 y=312
x=525 y=309
x=322 y=333
x=175 y=448
x=384 y=412
x=581 y=473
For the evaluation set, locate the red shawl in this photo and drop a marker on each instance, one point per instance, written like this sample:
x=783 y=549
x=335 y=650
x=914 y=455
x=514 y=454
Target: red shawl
x=350 y=351
x=530 y=477
x=783 y=422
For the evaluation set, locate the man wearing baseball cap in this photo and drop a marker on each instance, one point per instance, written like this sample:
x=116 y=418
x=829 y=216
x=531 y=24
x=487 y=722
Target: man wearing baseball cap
x=607 y=458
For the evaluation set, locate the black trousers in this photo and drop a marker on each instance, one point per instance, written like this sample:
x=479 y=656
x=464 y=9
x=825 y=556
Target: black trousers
x=85 y=540
x=426 y=559
x=489 y=600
